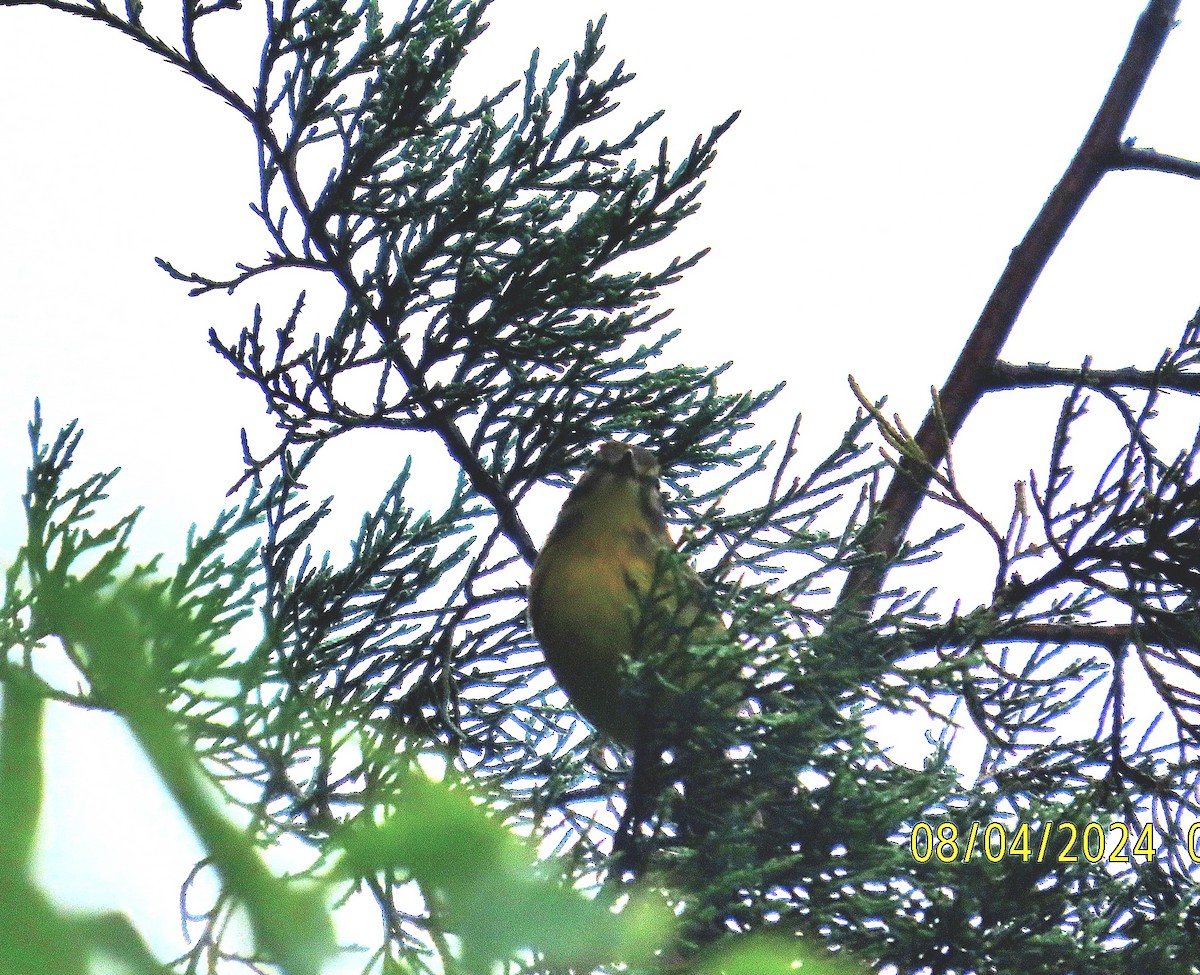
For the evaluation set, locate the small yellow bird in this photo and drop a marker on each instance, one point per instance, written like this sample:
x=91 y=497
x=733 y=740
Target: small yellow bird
x=592 y=582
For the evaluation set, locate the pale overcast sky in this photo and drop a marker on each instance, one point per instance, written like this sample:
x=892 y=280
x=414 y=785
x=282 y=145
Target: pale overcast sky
x=888 y=158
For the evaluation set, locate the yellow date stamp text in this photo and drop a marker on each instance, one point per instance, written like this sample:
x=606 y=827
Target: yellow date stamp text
x=1048 y=842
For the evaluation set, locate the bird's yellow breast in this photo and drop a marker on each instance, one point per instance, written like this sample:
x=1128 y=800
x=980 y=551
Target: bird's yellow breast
x=584 y=598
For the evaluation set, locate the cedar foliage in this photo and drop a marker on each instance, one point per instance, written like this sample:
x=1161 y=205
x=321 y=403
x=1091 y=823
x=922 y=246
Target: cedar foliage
x=499 y=298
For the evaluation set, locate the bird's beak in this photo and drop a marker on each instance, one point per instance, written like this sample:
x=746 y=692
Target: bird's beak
x=626 y=464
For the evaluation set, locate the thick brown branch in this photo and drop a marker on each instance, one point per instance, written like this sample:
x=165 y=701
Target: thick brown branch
x=968 y=380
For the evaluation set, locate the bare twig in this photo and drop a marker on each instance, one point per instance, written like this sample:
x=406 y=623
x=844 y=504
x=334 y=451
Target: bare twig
x=1130 y=157
x=1008 y=375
